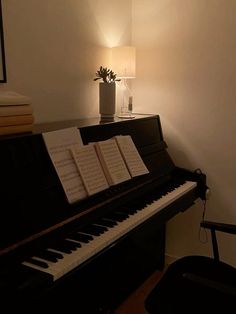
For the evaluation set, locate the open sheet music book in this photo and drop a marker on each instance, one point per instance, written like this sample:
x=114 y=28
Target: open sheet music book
x=112 y=161
x=90 y=168
x=108 y=162
x=85 y=170
x=131 y=155
x=58 y=144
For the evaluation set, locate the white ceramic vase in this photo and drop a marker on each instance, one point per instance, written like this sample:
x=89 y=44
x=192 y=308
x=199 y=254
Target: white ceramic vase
x=107 y=100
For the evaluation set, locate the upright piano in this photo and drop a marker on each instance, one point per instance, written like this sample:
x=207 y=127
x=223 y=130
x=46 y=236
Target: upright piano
x=91 y=254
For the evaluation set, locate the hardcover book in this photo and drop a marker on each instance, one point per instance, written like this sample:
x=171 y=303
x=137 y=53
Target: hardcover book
x=15 y=129
x=8 y=98
x=15 y=110
x=16 y=120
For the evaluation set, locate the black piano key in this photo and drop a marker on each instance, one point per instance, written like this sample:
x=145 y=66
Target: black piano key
x=37 y=262
x=132 y=211
x=106 y=223
x=122 y=213
x=115 y=217
x=111 y=218
x=71 y=244
x=47 y=255
x=92 y=230
x=67 y=245
x=56 y=254
x=128 y=210
x=102 y=229
x=136 y=205
x=61 y=248
x=81 y=237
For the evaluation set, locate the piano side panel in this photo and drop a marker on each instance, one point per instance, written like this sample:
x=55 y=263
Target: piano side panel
x=31 y=195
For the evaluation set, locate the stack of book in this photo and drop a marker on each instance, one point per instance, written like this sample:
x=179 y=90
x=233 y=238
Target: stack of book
x=16 y=113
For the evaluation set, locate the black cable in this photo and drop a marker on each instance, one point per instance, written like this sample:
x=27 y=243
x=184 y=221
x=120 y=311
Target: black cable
x=204 y=210
x=205 y=240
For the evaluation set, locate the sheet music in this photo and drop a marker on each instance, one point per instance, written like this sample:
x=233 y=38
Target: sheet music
x=90 y=168
x=112 y=162
x=131 y=155
x=58 y=144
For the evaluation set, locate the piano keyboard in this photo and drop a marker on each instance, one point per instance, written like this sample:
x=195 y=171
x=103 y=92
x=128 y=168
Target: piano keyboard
x=65 y=260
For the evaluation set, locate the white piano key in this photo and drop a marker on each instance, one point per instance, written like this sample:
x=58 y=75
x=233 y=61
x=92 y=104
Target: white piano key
x=87 y=250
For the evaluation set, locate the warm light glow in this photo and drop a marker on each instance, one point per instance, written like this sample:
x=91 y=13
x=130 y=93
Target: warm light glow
x=123 y=60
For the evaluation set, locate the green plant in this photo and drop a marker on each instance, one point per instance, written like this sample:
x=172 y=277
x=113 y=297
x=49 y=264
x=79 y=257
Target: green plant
x=105 y=74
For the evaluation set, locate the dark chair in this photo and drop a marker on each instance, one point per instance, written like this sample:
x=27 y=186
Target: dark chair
x=196 y=284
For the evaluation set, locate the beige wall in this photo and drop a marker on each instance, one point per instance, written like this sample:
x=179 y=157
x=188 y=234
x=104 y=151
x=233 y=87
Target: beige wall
x=54 y=47
x=186 y=72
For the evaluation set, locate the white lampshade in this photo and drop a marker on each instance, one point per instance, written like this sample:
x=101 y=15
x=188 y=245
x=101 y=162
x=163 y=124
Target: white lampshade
x=123 y=61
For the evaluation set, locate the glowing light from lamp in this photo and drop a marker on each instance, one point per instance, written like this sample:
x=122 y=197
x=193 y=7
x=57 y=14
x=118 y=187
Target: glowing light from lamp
x=123 y=60
x=123 y=63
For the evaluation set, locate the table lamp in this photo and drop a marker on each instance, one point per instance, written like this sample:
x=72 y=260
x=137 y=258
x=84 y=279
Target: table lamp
x=123 y=64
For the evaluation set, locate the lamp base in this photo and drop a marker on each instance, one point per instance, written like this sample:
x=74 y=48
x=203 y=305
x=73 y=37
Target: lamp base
x=126 y=116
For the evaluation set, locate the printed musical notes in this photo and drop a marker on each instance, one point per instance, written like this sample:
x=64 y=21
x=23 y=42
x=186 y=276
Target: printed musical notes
x=58 y=144
x=90 y=168
x=131 y=156
x=85 y=170
x=112 y=162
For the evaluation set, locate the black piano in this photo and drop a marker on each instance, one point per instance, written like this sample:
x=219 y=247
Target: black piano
x=89 y=255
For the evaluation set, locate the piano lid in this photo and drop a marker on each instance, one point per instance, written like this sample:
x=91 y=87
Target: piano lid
x=32 y=198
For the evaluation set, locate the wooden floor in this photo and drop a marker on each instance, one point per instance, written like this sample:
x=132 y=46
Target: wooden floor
x=134 y=304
